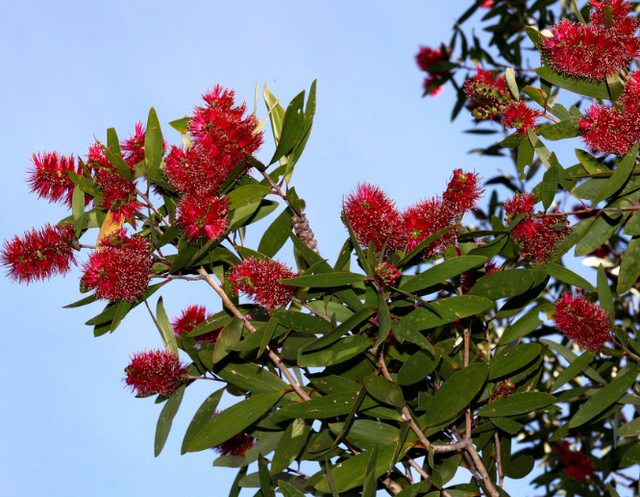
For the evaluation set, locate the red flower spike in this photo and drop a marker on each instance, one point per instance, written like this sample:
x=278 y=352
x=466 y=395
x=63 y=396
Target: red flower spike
x=258 y=279
x=373 y=217
x=606 y=131
x=521 y=117
x=427 y=218
x=133 y=147
x=202 y=216
x=575 y=465
x=463 y=190
x=39 y=254
x=237 y=445
x=623 y=23
x=428 y=57
x=155 y=372
x=191 y=317
x=387 y=274
x=48 y=177
x=586 y=324
x=489 y=92
x=120 y=270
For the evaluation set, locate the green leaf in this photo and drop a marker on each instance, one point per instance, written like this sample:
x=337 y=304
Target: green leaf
x=574 y=369
x=166 y=419
x=328 y=406
x=441 y=273
x=325 y=280
x=570 y=357
x=631 y=457
x=384 y=390
x=590 y=163
x=605 y=397
x=418 y=367
x=229 y=336
x=405 y=333
x=525 y=155
x=559 y=131
x=251 y=377
x=181 y=125
x=384 y=319
x=519 y=467
x=517 y=404
x=604 y=291
x=202 y=416
x=85 y=301
x=119 y=164
x=450 y=309
x=153 y=145
x=630 y=429
x=292 y=127
x=630 y=267
x=302 y=323
x=503 y=284
x=276 y=235
x=565 y=275
x=522 y=327
x=619 y=177
x=246 y=194
x=77 y=203
x=601 y=229
x=289 y=490
x=512 y=359
x=370 y=483
x=166 y=330
x=234 y=420
x=290 y=445
x=266 y=484
x=581 y=86
x=366 y=433
x=342 y=351
x=456 y=393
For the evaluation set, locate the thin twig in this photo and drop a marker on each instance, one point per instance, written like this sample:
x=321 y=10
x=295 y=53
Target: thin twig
x=496 y=438
x=153 y=208
x=313 y=311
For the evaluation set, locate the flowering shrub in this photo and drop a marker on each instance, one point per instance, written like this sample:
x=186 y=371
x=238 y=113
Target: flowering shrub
x=441 y=334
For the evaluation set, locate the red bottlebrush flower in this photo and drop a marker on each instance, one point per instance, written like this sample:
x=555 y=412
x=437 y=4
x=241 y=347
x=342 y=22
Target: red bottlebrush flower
x=258 y=279
x=575 y=465
x=202 y=216
x=506 y=388
x=486 y=4
x=519 y=204
x=387 y=274
x=191 y=317
x=587 y=51
x=237 y=445
x=48 y=178
x=133 y=147
x=427 y=218
x=520 y=116
x=428 y=57
x=119 y=270
x=586 y=324
x=119 y=196
x=193 y=172
x=373 y=217
x=606 y=131
x=39 y=254
x=623 y=24
x=429 y=81
x=155 y=372
x=489 y=92
x=463 y=190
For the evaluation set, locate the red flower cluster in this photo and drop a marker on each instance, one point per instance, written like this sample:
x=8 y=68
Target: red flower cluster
x=607 y=130
x=575 y=464
x=237 y=445
x=119 y=195
x=387 y=274
x=155 y=372
x=595 y=50
x=538 y=236
x=426 y=58
x=133 y=147
x=583 y=322
x=258 y=279
x=48 y=178
x=426 y=218
x=191 y=317
x=203 y=216
x=506 y=388
x=39 y=254
x=491 y=97
x=120 y=269
x=463 y=190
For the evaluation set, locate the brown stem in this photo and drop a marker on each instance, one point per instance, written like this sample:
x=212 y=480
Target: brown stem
x=153 y=208
x=496 y=438
x=483 y=471
x=272 y=355
x=313 y=311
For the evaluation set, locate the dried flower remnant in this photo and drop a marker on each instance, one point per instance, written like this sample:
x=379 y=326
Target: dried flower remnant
x=258 y=279
x=575 y=464
x=155 y=372
x=426 y=218
x=192 y=316
x=48 y=177
x=237 y=445
x=373 y=217
x=585 y=323
x=489 y=91
x=202 y=216
x=387 y=274
x=463 y=190
x=39 y=254
x=120 y=270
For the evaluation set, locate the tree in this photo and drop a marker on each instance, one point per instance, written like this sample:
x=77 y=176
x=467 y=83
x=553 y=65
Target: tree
x=428 y=353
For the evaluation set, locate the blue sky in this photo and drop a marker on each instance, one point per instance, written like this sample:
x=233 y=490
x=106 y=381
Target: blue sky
x=73 y=69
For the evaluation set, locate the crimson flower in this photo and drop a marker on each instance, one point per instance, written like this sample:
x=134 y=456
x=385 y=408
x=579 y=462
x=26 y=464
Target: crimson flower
x=39 y=254
x=48 y=178
x=489 y=91
x=120 y=270
x=387 y=274
x=463 y=190
x=605 y=130
x=202 y=216
x=155 y=372
x=575 y=465
x=427 y=218
x=191 y=317
x=426 y=58
x=258 y=279
x=521 y=117
x=133 y=147
x=585 y=323
x=237 y=445
x=373 y=217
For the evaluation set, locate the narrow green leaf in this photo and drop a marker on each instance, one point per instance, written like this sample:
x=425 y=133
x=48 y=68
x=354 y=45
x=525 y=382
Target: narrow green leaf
x=570 y=357
x=165 y=420
x=565 y=275
x=612 y=491
x=202 y=416
x=370 y=483
x=525 y=155
x=229 y=336
x=384 y=319
x=517 y=404
x=630 y=267
x=441 y=273
x=512 y=359
x=418 y=367
x=166 y=330
x=77 y=203
x=630 y=429
x=580 y=86
x=605 y=397
x=384 y=390
x=604 y=291
x=573 y=370
x=181 y=125
x=522 y=327
x=85 y=301
x=450 y=309
x=266 y=484
x=246 y=194
x=276 y=235
x=251 y=377
x=303 y=323
x=234 y=420
x=329 y=478
x=291 y=444
x=405 y=333
x=289 y=490
x=324 y=407
x=292 y=127
x=619 y=177
x=153 y=145
x=590 y=163
x=503 y=284
x=325 y=280
x=339 y=352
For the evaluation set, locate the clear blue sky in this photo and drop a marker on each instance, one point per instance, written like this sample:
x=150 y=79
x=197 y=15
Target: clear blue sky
x=72 y=69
